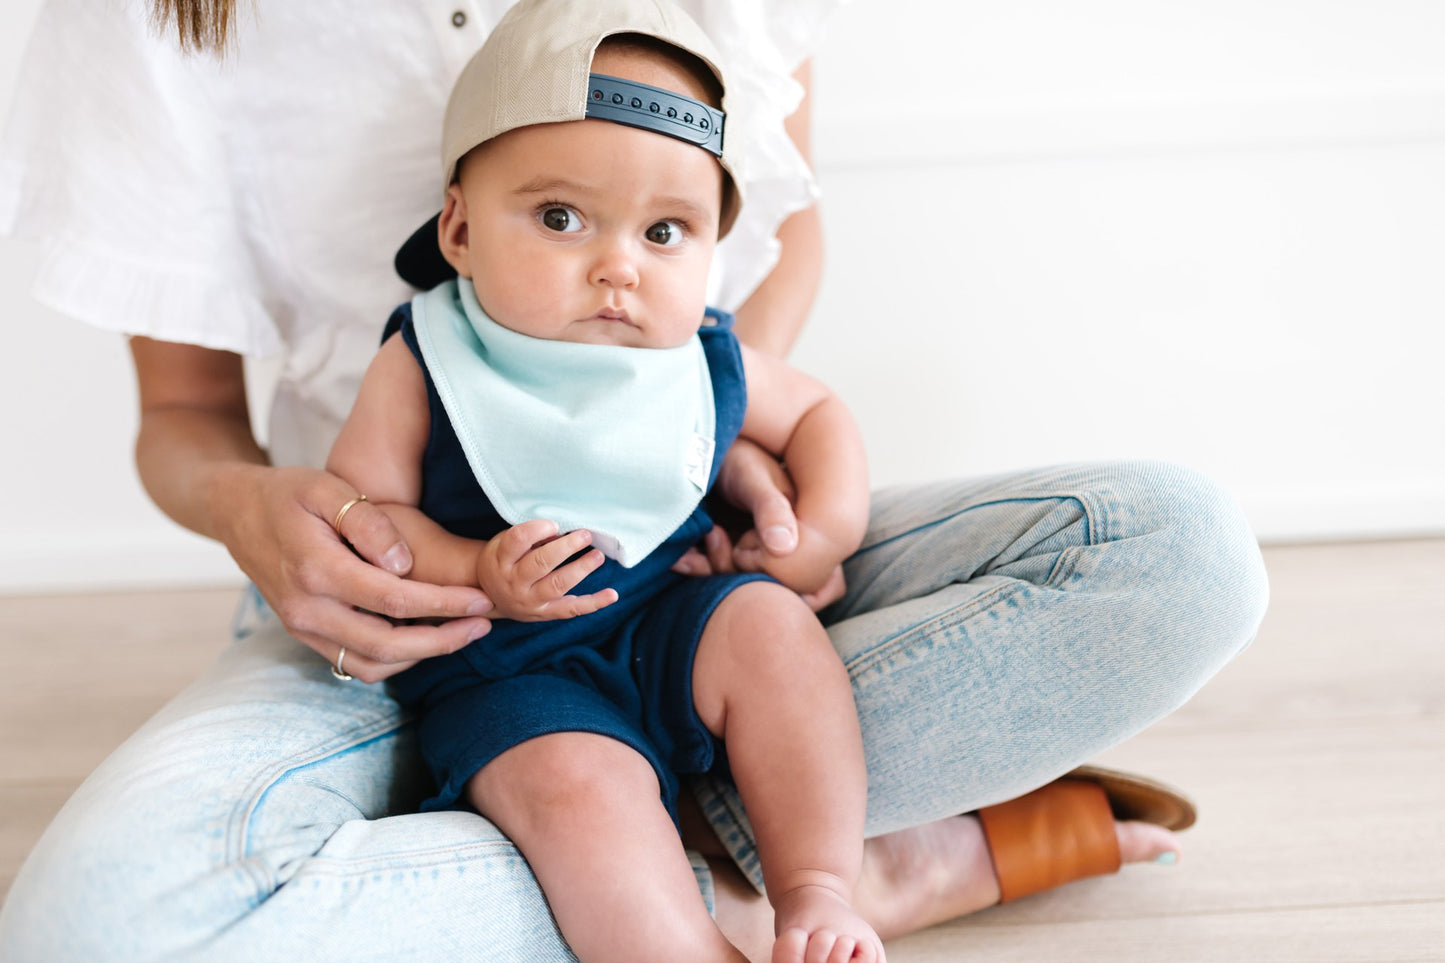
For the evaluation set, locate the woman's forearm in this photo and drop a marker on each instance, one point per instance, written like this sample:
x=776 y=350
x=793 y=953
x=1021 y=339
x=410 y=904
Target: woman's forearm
x=195 y=445
x=773 y=316
x=189 y=461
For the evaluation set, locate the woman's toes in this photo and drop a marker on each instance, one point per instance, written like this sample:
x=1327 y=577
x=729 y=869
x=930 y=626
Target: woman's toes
x=1141 y=842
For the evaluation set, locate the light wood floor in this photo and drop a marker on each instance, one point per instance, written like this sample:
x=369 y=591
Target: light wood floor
x=1317 y=760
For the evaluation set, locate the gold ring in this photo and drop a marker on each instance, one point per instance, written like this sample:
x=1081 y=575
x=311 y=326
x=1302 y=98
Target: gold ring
x=337 y=670
x=342 y=513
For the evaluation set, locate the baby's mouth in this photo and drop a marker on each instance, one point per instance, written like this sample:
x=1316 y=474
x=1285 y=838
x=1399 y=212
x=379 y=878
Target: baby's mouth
x=611 y=314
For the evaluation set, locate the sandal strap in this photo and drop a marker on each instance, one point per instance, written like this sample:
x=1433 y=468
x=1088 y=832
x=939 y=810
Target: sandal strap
x=1058 y=833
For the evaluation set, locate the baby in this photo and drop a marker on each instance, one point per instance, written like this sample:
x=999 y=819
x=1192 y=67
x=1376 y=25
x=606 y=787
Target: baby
x=545 y=427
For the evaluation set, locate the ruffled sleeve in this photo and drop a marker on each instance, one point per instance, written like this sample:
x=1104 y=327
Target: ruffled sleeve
x=764 y=43
x=113 y=159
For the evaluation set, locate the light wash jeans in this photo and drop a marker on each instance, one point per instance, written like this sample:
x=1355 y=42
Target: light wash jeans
x=998 y=631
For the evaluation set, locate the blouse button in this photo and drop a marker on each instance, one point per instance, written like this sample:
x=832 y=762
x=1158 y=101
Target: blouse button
x=459 y=19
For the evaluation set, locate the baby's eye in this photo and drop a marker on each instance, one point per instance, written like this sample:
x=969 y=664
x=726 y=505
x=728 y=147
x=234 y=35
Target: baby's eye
x=665 y=233
x=561 y=219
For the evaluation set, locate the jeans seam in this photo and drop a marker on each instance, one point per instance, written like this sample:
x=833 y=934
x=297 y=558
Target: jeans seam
x=870 y=660
x=238 y=834
x=1095 y=516
x=413 y=859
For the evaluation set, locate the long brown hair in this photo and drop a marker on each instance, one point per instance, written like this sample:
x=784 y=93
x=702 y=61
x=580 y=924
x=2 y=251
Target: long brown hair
x=200 y=25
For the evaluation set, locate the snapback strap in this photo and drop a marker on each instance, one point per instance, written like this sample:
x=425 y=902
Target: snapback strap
x=652 y=108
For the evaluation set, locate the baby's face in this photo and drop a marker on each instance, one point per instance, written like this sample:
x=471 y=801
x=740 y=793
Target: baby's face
x=591 y=231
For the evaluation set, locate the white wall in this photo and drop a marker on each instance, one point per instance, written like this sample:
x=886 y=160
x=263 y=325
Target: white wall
x=1207 y=231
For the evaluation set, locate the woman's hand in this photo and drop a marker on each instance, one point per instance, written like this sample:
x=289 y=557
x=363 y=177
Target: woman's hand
x=277 y=525
x=526 y=572
x=754 y=482
x=201 y=465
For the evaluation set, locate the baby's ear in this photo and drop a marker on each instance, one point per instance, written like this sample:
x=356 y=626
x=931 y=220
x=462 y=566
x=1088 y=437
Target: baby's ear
x=452 y=231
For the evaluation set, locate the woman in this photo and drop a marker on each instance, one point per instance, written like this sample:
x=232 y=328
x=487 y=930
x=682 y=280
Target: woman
x=998 y=631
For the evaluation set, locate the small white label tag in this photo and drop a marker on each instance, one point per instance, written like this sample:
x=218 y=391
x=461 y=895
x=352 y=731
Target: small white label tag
x=699 y=460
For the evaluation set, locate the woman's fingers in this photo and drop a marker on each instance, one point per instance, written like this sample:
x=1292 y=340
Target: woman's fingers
x=377 y=649
x=775 y=522
x=372 y=534
x=284 y=536
x=755 y=482
x=367 y=587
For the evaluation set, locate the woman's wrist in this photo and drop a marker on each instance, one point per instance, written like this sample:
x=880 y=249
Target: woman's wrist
x=222 y=486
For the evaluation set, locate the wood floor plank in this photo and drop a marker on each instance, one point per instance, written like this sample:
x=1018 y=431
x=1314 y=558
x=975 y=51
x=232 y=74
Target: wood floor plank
x=1353 y=631
x=86 y=671
x=1317 y=759
x=1383 y=933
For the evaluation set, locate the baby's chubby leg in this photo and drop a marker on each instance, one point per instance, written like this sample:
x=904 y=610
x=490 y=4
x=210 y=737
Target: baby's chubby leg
x=585 y=811
x=768 y=682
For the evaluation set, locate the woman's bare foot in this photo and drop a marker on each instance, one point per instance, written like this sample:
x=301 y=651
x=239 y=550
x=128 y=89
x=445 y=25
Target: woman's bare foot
x=911 y=879
x=816 y=923
x=917 y=877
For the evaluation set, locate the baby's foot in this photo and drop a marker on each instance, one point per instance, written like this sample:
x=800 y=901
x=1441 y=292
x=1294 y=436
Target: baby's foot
x=815 y=923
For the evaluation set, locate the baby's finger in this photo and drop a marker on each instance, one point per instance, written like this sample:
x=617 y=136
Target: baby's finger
x=842 y=950
x=563 y=580
x=749 y=554
x=820 y=947
x=719 y=548
x=542 y=562
x=514 y=543
x=693 y=562
x=571 y=606
x=831 y=591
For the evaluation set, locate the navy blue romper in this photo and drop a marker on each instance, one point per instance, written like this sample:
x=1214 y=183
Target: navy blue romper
x=624 y=671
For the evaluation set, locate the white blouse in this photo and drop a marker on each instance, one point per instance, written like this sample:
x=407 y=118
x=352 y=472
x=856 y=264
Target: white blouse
x=254 y=204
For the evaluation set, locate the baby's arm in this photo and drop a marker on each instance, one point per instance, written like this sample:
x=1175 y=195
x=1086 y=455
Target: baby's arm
x=379 y=451
x=800 y=420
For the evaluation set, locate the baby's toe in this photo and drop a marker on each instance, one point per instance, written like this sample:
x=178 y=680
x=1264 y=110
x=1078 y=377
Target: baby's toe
x=790 y=946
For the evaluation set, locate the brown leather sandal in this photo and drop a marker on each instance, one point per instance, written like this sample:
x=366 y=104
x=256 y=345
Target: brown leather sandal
x=1065 y=831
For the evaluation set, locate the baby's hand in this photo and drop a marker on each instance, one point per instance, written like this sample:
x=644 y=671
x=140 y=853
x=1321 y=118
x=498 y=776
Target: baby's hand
x=810 y=569
x=522 y=572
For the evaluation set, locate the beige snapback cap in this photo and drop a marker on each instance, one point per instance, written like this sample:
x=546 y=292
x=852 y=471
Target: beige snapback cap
x=535 y=68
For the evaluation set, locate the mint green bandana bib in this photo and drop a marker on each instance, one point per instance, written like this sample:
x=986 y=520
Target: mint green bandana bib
x=612 y=439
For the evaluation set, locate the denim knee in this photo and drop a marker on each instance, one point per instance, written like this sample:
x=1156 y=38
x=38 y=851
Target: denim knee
x=1198 y=557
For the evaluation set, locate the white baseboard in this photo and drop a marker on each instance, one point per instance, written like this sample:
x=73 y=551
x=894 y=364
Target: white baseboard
x=1316 y=515
x=167 y=558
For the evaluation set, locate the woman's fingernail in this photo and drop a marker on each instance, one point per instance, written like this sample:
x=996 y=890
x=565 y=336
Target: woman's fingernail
x=397 y=559
x=480 y=607
x=479 y=631
x=1167 y=859
x=779 y=538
